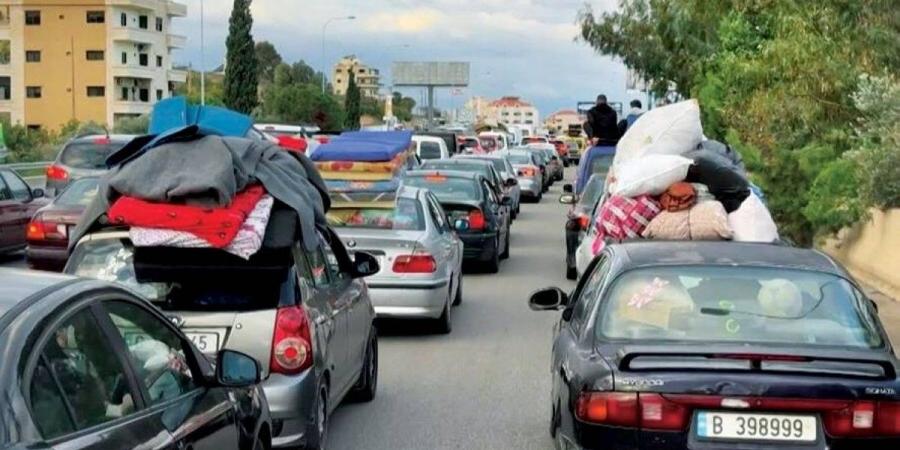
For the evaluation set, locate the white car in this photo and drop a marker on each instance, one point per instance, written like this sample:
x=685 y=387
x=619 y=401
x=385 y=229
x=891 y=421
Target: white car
x=431 y=147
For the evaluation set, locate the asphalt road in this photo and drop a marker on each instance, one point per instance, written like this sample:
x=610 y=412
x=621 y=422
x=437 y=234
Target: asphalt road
x=487 y=384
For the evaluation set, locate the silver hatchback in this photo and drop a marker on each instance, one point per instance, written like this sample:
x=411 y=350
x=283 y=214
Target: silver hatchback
x=82 y=157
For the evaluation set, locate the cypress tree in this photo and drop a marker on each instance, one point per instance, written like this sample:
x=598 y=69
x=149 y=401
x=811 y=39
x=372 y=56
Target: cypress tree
x=240 y=60
x=352 y=104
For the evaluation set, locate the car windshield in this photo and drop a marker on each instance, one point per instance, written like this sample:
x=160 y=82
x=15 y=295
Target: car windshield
x=520 y=159
x=112 y=260
x=447 y=188
x=737 y=304
x=405 y=215
x=429 y=150
x=79 y=193
x=89 y=154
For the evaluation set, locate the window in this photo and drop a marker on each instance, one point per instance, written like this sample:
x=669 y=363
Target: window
x=124 y=58
x=96 y=17
x=143 y=59
x=124 y=93
x=159 y=24
x=94 y=55
x=5 y=85
x=142 y=22
x=80 y=371
x=33 y=91
x=590 y=292
x=32 y=17
x=334 y=267
x=156 y=351
x=96 y=91
x=438 y=214
x=123 y=20
x=19 y=190
x=159 y=61
x=144 y=95
x=32 y=56
x=318 y=267
x=159 y=94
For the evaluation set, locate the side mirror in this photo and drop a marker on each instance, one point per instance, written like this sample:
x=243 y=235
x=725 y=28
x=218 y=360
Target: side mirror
x=568 y=199
x=510 y=182
x=568 y=189
x=548 y=299
x=235 y=369
x=38 y=193
x=365 y=265
x=461 y=225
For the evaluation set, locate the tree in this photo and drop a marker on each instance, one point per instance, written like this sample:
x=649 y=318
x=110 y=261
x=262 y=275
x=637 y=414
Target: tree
x=304 y=73
x=403 y=107
x=240 y=60
x=302 y=103
x=352 y=104
x=267 y=59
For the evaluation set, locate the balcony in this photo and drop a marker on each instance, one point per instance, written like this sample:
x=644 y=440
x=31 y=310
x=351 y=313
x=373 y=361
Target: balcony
x=139 y=4
x=177 y=76
x=176 y=41
x=122 y=34
x=146 y=73
x=176 y=9
x=132 y=107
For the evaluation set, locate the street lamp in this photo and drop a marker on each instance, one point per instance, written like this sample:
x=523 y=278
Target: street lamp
x=324 y=61
x=202 y=67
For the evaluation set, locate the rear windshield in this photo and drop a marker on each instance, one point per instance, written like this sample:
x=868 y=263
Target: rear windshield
x=462 y=167
x=499 y=164
x=447 y=188
x=113 y=260
x=469 y=143
x=520 y=159
x=88 y=154
x=742 y=305
x=78 y=193
x=406 y=215
x=429 y=150
x=489 y=143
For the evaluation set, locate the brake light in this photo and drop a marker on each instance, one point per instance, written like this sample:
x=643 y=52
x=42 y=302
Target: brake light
x=658 y=413
x=864 y=418
x=476 y=220
x=583 y=222
x=528 y=172
x=613 y=408
x=291 y=342
x=40 y=231
x=415 y=263
x=57 y=173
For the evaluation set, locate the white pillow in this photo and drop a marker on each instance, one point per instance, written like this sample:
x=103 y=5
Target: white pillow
x=650 y=175
x=752 y=222
x=668 y=130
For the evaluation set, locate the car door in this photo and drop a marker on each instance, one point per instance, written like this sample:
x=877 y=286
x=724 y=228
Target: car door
x=197 y=417
x=342 y=309
x=361 y=313
x=7 y=216
x=82 y=392
x=499 y=211
x=19 y=209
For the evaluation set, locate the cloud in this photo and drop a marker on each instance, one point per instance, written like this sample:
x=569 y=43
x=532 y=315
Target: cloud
x=408 y=22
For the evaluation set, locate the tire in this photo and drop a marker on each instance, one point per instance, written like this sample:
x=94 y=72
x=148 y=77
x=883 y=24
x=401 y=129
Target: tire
x=505 y=254
x=367 y=385
x=318 y=434
x=442 y=325
x=493 y=266
x=457 y=300
x=571 y=273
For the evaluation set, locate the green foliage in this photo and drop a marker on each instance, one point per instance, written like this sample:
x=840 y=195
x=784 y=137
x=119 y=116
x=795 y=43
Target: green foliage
x=352 y=105
x=267 y=59
x=26 y=145
x=876 y=149
x=215 y=91
x=133 y=125
x=403 y=107
x=776 y=80
x=301 y=103
x=240 y=86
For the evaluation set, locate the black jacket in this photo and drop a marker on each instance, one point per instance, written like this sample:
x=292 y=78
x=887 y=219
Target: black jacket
x=602 y=119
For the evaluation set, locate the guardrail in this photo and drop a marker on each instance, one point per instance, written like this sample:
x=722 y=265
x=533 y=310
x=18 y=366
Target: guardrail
x=22 y=167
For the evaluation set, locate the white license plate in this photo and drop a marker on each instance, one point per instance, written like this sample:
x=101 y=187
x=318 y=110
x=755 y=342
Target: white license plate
x=205 y=342
x=760 y=427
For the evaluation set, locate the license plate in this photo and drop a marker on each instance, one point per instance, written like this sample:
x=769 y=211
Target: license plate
x=760 y=427
x=205 y=342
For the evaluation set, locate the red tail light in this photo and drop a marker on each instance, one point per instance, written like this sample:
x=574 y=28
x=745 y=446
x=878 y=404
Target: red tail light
x=584 y=221
x=57 y=173
x=528 y=172
x=477 y=221
x=864 y=418
x=658 y=413
x=39 y=230
x=415 y=263
x=291 y=342
x=645 y=410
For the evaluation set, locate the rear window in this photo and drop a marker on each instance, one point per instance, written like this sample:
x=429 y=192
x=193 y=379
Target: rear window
x=89 y=154
x=79 y=193
x=406 y=215
x=592 y=192
x=520 y=159
x=429 y=150
x=737 y=305
x=489 y=143
x=461 y=167
x=447 y=188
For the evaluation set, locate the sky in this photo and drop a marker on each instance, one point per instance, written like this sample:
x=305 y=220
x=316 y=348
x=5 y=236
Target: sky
x=525 y=48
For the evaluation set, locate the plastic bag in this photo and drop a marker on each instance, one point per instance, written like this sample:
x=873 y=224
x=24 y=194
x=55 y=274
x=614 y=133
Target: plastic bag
x=670 y=130
x=650 y=175
x=723 y=179
x=752 y=222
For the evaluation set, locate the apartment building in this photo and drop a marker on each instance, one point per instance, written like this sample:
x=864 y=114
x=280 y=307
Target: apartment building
x=367 y=78
x=88 y=60
x=514 y=111
x=560 y=121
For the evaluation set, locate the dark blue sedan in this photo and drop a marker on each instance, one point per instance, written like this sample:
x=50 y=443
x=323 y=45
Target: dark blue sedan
x=702 y=345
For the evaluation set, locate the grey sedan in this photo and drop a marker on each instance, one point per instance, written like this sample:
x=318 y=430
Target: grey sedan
x=83 y=156
x=527 y=167
x=419 y=254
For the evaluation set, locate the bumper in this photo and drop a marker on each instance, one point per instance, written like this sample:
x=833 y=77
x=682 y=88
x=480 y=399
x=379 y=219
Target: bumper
x=529 y=187
x=417 y=300
x=46 y=258
x=292 y=405
x=480 y=247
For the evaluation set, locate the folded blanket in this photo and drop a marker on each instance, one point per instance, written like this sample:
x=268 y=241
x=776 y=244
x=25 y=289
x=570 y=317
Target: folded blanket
x=358 y=176
x=623 y=218
x=246 y=243
x=217 y=226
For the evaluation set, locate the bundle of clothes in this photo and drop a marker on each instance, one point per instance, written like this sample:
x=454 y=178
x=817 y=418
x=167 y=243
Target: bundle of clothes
x=668 y=182
x=201 y=185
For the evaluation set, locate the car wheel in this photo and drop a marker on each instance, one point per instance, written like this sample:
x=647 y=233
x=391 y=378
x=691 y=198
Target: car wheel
x=493 y=266
x=571 y=273
x=366 y=387
x=258 y=444
x=459 y=291
x=319 y=432
x=442 y=324
x=505 y=254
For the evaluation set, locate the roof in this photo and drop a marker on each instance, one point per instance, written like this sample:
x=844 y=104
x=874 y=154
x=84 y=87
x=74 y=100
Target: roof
x=454 y=161
x=510 y=102
x=17 y=285
x=563 y=112
x=728 y=253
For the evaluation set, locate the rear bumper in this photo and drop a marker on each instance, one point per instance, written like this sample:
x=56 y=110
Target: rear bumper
x=425 y=299
x=292 y=405
x=480 y=247
x=46 y=258
x=529 y=187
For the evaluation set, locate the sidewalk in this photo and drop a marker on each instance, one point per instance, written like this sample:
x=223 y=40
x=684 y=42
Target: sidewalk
x=889 y=311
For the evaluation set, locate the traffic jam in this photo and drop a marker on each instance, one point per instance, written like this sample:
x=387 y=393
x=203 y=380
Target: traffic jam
x=219 y=284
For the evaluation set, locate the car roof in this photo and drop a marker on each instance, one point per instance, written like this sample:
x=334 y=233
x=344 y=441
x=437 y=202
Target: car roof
x=17 y=285
x=642 y=253
x=112 y=137
x=427 y=138
x=455 y=160
x=481 y=156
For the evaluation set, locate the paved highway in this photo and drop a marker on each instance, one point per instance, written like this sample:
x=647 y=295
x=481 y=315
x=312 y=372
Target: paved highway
x=484 y=386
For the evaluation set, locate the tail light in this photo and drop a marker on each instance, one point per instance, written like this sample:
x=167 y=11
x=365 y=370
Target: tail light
x=584 y=221
x=291 y=342
x=38 y=230
x=415 y=263
x=528 y=172
x=477 y=221
x=57 y=173
x=645 y=410
x=864 y=418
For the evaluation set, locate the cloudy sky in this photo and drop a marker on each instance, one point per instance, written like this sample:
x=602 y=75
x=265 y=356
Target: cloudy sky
x=515 y=47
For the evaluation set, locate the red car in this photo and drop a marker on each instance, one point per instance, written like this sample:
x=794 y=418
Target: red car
x=18 y=202
x=48 y=231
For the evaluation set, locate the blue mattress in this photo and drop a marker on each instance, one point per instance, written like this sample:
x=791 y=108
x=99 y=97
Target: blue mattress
x=364 y=146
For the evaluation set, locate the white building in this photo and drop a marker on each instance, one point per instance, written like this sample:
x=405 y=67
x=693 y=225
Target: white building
x=514 y=111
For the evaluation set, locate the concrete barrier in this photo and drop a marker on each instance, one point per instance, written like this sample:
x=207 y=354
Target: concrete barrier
x=871 y=251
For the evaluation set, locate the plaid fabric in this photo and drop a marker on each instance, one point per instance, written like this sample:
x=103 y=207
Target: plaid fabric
x=623 y=218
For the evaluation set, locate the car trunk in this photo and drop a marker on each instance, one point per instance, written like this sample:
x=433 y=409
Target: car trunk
x=384 y=245
x=249 y=332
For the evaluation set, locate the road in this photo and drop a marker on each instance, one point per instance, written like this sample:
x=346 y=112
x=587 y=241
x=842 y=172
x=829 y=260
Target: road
x=487 y=384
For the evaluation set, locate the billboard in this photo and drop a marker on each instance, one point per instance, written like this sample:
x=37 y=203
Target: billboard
x=448 y=74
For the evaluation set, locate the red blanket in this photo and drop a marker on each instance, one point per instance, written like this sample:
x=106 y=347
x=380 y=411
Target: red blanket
x=218 y=226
